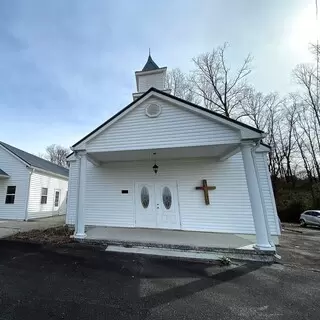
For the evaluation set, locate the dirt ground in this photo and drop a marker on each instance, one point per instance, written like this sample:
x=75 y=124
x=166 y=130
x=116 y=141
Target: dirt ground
x=55 y=235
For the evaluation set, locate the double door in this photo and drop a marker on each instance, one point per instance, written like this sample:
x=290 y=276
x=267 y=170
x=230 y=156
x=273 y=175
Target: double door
x=157 y=205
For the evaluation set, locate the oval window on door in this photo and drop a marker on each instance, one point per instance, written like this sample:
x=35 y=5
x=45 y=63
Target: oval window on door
x=166 y=198
x=145 y=197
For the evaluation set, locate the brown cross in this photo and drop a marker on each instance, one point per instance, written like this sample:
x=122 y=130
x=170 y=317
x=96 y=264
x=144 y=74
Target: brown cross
x=205 y=189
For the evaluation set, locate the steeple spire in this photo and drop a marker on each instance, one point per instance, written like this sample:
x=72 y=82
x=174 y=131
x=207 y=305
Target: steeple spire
x=151 y=76
x=150 y=64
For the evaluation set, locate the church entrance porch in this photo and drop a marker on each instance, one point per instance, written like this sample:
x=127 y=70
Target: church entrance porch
x=192 y=190
x=177 y=244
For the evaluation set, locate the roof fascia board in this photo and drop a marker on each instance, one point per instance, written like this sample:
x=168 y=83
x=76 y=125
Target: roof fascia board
x=160 y=70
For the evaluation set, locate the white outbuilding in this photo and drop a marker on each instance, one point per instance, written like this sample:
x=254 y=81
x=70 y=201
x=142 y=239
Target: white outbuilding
x=30 y=187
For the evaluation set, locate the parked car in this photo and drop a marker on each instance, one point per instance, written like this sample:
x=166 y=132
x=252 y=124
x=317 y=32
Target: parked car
x=310 y=217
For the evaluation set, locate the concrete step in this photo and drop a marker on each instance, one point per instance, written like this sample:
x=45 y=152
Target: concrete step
x=164 y=252
x=192 y=253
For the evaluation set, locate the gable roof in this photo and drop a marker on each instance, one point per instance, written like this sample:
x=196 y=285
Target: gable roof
x=2 y=173
x=35 y=161
x=174 y=98
x=150 y=65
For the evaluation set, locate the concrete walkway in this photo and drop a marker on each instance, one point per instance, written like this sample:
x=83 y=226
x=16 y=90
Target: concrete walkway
x=11 y=227
x=168 y=237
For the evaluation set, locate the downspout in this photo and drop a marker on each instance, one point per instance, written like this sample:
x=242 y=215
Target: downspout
x=28 y=194
x=261 y=194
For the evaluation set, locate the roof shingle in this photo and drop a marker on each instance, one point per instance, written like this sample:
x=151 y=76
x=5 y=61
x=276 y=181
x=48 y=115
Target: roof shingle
x=150 y=65
x=35 y=161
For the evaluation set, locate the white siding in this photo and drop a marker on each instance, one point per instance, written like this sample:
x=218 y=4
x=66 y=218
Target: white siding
x=72 y=193
x=19 y=177
x=229 y=211
x=41 y=180
x=155 y=80
x=267 y=192
x=174 y=127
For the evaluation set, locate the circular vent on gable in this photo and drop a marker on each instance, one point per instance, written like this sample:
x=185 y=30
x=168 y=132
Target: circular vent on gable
x=153 y=110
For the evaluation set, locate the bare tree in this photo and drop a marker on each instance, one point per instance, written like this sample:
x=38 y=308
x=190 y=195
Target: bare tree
x=258 y=106
x=57 y=154
x=287 y=142
x=306 y=76
x=181 y=86
x=221 y=89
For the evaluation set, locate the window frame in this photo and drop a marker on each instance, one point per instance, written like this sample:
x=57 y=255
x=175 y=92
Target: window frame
x=54 y=198
x=44 y=196
x=10 y=195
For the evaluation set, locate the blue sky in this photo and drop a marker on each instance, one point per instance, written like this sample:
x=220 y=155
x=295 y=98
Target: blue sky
x=66 y=66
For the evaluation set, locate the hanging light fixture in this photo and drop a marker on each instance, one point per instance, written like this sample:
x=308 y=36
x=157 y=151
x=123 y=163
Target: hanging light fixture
x=155 y=167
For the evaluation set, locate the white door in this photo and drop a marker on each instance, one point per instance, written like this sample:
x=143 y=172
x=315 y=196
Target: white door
x=167 y=206
x=56 y=201
x=157 y=205
x=145 y=205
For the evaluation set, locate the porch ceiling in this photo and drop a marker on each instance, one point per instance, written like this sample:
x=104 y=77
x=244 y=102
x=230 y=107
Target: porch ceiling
x=213 y=151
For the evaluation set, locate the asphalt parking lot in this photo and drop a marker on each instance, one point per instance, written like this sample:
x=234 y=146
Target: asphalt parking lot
x=300 y=247
x=38 y=283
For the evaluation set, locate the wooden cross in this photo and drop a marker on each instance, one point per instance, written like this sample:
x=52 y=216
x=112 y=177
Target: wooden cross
x=205 y=189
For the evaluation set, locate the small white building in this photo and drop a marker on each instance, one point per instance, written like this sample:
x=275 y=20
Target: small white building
x=165 y=163
x=30 y=187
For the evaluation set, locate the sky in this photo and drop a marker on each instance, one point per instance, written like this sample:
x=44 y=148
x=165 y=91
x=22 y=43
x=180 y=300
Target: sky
x=67 y=66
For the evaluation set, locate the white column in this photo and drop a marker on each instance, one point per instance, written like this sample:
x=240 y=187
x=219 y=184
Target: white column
x=265 y=213
x=255 y=198
x=80 y=219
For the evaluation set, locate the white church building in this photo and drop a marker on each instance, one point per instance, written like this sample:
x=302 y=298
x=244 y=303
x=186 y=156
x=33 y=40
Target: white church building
x=163 y=166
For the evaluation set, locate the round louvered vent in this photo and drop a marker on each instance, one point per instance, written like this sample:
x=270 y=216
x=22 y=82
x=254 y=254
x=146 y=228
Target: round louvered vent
x=153 y=110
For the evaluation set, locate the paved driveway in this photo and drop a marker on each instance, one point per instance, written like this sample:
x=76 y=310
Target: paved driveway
x=84 y=284
x=300 y=247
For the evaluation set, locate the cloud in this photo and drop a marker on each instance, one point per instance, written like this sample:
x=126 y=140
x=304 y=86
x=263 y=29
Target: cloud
x=66 y=66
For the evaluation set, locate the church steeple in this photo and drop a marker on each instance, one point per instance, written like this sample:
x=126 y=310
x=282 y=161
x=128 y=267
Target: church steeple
x=150 y=76
x=150 y=64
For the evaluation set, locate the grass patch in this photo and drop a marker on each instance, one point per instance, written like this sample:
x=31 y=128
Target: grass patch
x=56 y=235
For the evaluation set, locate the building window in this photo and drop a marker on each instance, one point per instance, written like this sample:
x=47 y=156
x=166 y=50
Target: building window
x=166 y=198
x=56 y=198
x=44 y=195
x=11 y=193
x=145 y=197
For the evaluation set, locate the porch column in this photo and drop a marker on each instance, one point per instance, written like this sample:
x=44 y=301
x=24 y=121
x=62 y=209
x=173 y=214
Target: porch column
x=80 y=218
x=255 y=198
